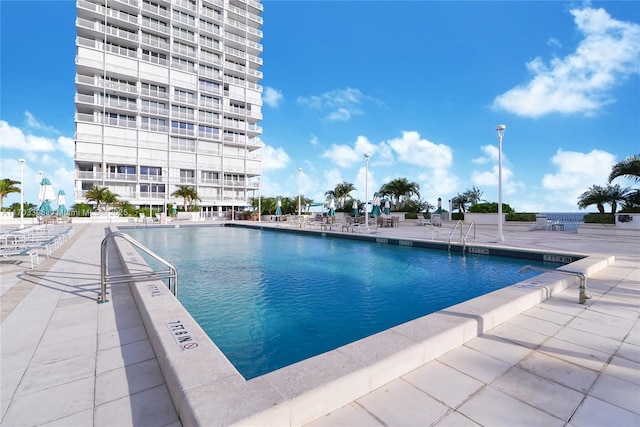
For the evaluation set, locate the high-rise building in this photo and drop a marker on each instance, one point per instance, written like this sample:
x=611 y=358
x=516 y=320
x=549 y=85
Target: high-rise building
x=168 y=95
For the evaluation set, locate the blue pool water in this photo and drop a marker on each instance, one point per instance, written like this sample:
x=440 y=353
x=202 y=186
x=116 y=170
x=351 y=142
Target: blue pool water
x=269 y=299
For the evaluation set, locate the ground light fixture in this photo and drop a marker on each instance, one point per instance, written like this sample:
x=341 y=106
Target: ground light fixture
x=500 y=130
x=21 y=161
x=366 y=190
x=299 y=205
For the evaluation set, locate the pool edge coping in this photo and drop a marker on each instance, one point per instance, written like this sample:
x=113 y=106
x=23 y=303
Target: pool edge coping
x=307 y=390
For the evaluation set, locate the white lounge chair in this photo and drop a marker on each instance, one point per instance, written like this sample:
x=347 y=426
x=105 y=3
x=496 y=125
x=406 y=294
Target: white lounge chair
x=32 y=253
x=430 y=228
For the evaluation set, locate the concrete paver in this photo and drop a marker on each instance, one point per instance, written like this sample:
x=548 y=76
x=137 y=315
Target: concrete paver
x=66 y=360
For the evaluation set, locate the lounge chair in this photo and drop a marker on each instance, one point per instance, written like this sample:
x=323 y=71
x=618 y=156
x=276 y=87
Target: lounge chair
x=430 y=228
x=33 y=254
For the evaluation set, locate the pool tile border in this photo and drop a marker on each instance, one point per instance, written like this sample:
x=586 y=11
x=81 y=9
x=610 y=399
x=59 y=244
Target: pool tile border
x=207 y=390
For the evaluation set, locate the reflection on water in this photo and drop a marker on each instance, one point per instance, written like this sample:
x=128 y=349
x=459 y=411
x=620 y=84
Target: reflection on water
x=269 y=299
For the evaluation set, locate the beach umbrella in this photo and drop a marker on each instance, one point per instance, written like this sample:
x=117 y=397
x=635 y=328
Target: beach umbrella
x=376 y=205
x=46 y=190
x=332 y=206
x=45 y=209
x=278 y=206
x=46 y=196
x=62 y=209
x=355 y=208
x=387 y=207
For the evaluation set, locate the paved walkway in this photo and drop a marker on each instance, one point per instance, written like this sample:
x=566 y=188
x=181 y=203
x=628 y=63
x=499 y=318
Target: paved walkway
x=68 y=361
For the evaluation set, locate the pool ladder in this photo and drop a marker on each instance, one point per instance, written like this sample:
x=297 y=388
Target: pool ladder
x=108 y=279
x=463 y=235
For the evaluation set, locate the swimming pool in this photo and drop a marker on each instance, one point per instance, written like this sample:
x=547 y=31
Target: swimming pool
x=269 y=299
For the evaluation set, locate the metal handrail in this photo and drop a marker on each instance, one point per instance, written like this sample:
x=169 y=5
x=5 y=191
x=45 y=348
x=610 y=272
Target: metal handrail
x=464 y=241
x=171 y=273
x=453 y=231
x=582 y=299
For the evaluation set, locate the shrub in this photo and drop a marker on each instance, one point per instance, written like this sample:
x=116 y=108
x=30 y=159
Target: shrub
x=523 y=216
x=457 y=216
x=490 y=207
x=598 y=218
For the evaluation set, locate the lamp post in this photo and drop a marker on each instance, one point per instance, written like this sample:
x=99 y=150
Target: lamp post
x=299 y=199
x=40 y=173
x=366 y=190
x=259 y=203
x=21 y=161
x=500 y=130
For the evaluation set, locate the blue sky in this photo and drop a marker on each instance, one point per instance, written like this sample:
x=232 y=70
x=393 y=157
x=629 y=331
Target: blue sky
x=419 y=85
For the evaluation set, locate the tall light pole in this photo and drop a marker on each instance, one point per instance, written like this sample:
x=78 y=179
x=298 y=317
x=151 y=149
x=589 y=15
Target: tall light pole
x=259 y=203
x=21 y=161
x=299 y=204
x=500 y=130
x=366 y=190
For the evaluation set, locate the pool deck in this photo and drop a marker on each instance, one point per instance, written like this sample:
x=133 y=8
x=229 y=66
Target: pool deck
x=68 y=361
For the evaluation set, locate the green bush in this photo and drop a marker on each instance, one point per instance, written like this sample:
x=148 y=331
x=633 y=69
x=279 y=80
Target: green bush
x=523 y=216
x=457 y=216
x=598 y=218
x=490 y=207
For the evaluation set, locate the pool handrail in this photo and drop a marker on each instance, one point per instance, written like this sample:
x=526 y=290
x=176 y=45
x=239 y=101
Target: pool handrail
x=171 y=273
x=583 y=297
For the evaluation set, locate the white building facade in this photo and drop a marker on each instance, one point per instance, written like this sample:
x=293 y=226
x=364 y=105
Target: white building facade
x=168 y=94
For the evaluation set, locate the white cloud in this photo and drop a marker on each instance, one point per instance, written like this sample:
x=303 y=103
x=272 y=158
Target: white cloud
x=12 y=137
x=346 y=156
x=274 y=158
x=576 y=172
x=314 y=140
x=490 y=178
x=34 y=123
x=413 y=149
x=341 y=104
x=272 y=97
x=579 y=83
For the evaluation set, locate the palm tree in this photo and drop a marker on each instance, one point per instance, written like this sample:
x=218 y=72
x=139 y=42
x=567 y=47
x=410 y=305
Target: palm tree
x=7 y=186
x=473 y=196
x=595 y=195
x=341 y=192
x=616 y=194
x=109 y=198
x=460 y=202
x=628 y=168
x=96 y=194
x=399 y=189
x=188 y=194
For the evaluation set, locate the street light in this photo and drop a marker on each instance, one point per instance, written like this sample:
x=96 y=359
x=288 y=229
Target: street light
x=40 y=173
x=259 y=204
x=366 y=190
x=500 y=130
x=299 y=205
x=21 y=161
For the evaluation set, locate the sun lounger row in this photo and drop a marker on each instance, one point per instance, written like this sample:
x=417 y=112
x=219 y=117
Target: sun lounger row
x=46 y=238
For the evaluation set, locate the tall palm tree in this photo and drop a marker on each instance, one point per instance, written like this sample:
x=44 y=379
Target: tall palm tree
x=7 y=186
x=188 y=194
x=399 y=190
x=628 y=168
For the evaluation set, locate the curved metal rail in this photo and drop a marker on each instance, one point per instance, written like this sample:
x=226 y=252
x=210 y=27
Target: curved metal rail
x=583 y=279
x=171 y=273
